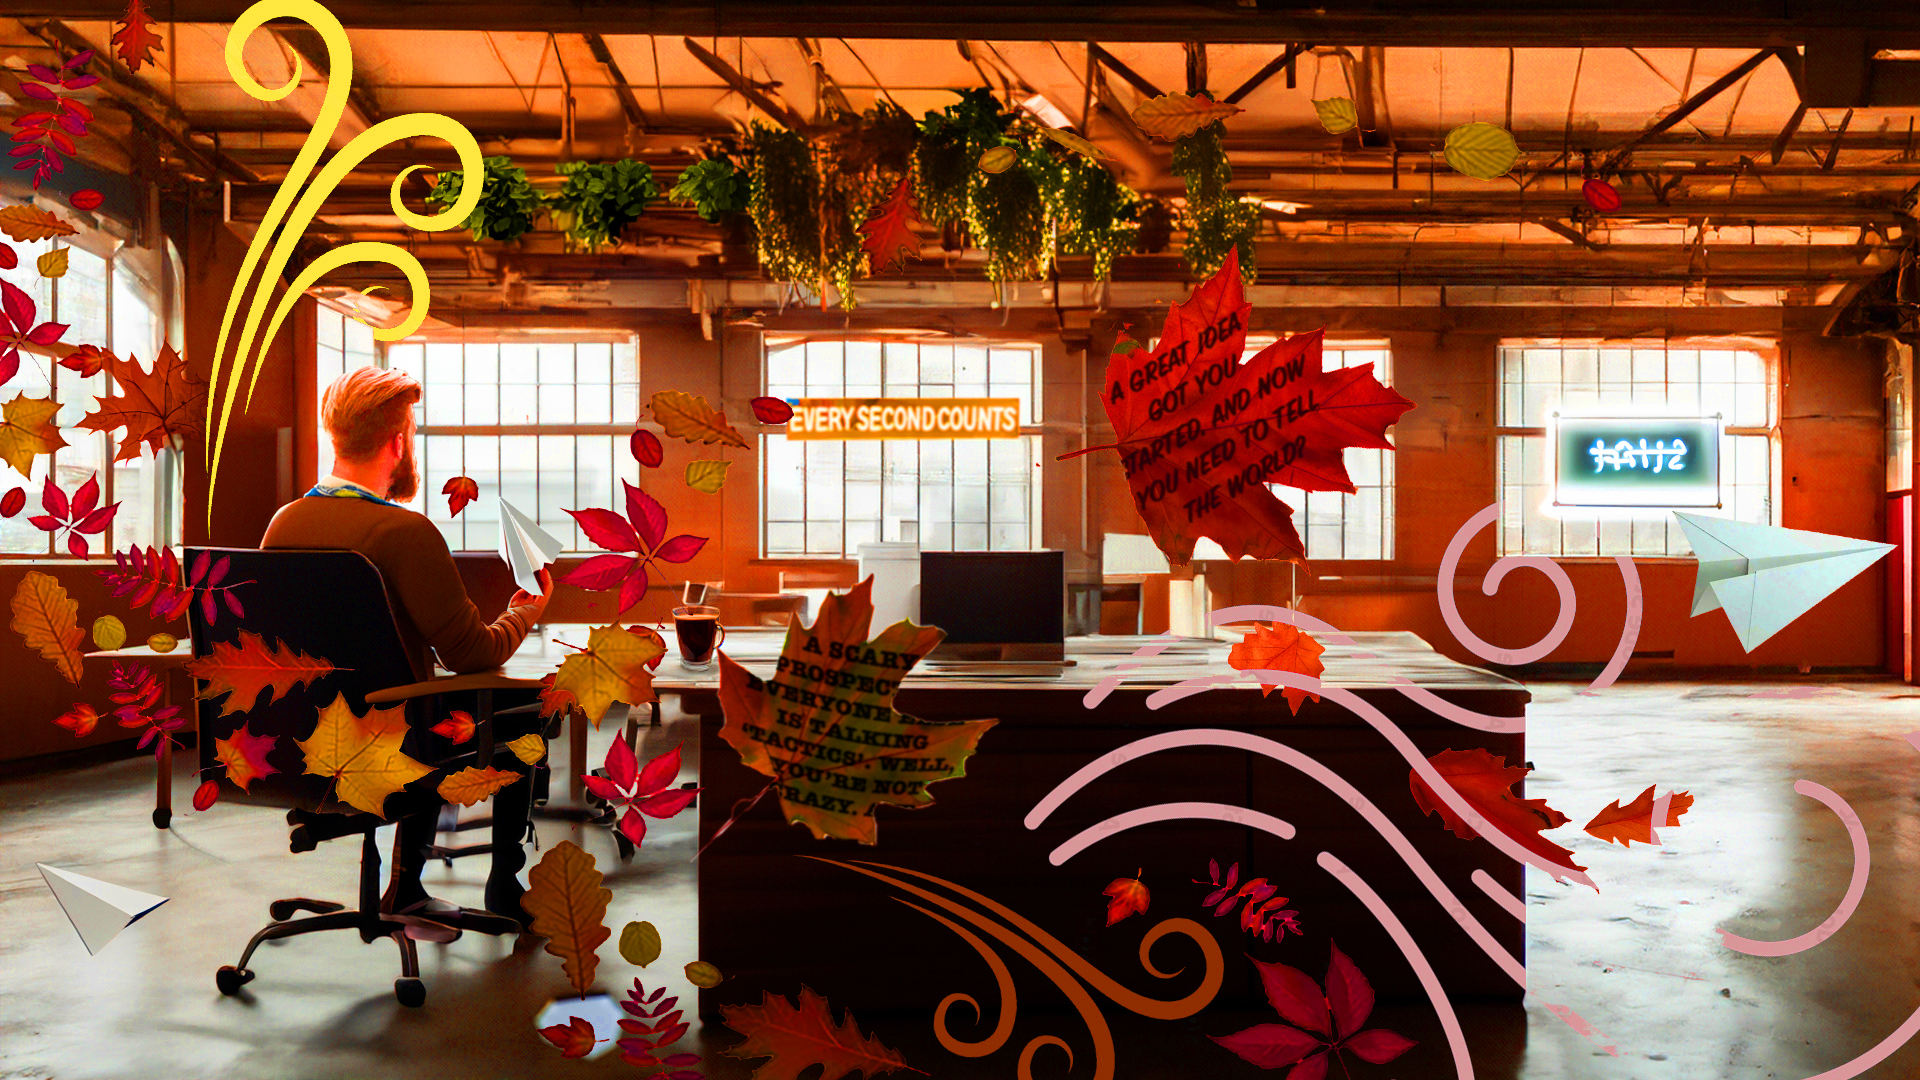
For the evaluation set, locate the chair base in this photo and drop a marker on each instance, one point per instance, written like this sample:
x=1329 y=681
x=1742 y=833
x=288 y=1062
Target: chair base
x=327 y=915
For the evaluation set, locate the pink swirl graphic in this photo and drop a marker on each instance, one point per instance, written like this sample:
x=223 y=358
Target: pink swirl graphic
x=1856 y=888
x=1112 y=682
x=1176 y=811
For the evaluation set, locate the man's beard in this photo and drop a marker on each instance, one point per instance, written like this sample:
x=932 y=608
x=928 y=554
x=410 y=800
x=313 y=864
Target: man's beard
x=405 y=482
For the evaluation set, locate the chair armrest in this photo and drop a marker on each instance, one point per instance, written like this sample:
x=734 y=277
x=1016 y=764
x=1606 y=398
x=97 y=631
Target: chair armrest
x=448 y=684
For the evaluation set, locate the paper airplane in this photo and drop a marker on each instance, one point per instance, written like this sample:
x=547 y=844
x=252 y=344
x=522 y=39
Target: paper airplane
x=1765 y=577
x=525 y=546
x=98 y=910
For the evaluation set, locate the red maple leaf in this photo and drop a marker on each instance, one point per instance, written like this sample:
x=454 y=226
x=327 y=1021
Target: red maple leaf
x=640 y=791
x=1126 y=896
x=17 y=328
x=643 y=531
x=135 y=41
x=1486 y=781
x=574 y=1038
x=890 y=239
x=88 y=360
x=460 y=491
x=1202 y=434
x=458 y=726
x=1307 y=1041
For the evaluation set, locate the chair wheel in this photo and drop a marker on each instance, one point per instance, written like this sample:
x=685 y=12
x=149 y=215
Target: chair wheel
x=410 y=992
x=230 y=979
x=625 y=845
x=162 y=817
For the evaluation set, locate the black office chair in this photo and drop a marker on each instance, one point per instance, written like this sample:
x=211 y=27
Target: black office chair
x=333 y=605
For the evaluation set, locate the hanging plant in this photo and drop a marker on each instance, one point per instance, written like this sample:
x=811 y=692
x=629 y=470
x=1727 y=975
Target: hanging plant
x=713 y=187
x=508 y=202
x=1155 y=234
x=807 y=232
x=600 y=199
x=1008 y=218
x=1216 y=221
x=1092 y=213
x=946 y=159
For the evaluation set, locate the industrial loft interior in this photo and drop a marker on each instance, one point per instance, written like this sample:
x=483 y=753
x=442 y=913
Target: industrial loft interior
x=1063 y=541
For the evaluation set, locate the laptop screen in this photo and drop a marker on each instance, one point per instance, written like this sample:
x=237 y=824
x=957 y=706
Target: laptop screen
x=995 y=597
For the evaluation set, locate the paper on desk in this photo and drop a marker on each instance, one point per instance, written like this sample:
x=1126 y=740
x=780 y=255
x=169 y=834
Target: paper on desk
x=1765 y=577
x=526 y=547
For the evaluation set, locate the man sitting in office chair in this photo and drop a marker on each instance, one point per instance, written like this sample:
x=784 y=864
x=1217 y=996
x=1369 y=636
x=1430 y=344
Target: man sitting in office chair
x=368 y=413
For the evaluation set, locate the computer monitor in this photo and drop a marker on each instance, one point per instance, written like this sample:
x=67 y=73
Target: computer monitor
x=996 y=605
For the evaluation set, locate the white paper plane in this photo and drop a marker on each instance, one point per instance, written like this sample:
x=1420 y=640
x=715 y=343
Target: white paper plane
x=98 y=910
x=526 y=547
x=1765 y=577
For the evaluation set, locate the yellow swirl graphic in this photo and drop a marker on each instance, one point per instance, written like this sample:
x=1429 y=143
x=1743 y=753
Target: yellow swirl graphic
x=286 y=220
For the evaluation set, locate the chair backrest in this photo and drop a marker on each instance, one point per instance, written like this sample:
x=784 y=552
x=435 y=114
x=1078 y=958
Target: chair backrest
x=328 y=605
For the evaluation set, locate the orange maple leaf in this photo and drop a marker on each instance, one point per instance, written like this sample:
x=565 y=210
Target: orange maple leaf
x=1634 y=821
x=246 y=668
x=1126 y=896
x=797 y=1036
x=81 y=720
x=361 y=754
x=1486 y=781
x=245 y=756
x=890 y=239
x=615 y=666
x=135 y=41
x=1201 y=434
x=1280 y=647
x=458 y=726
x=153 y=406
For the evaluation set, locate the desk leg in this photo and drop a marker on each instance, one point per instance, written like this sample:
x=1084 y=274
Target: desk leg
x=163 y=785
x=577 y=756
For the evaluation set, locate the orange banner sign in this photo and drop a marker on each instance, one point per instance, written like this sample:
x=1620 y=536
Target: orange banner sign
x=904 y=418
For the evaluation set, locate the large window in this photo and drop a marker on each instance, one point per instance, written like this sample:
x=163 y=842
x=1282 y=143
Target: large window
x=540 y=419
x=1336 y=525
x=827 y=498
x=1628 y=379
x=115 y=301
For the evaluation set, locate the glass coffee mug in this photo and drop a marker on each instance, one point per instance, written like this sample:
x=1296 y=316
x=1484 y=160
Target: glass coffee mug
x=699 y=632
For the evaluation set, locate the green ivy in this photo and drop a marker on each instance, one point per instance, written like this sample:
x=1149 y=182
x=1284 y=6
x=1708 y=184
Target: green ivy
x=946 y=169
x=507 y=204
x=1092 y=213
x=806 y=230
x=1216 y=221
x=603 y=198
x=713 y=187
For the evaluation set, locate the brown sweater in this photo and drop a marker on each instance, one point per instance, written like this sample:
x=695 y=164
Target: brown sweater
x=429 y=600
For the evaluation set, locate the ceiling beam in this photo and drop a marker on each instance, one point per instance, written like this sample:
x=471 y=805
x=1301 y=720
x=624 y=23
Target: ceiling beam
x=1118 y=67
x=1284 y=60
x=629 y=104
x=1686 y=109
x=769 y=103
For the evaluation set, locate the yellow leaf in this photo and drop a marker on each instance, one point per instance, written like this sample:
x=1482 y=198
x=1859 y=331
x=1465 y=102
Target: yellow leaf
x=163 y=643
x=569 y=909
x=29 y=223
x=1073 y=142
x=707 y=476
x=470 y=785
x=612 y=668
x=1338 y=115
x=1482 y=151
x=998 y=159
x=109 y=633
x=27 y=429
x=46 y=619
x=52 y=264
x=362 y=754
x=640 y=944
x=529 y=748
x=704 y=975
x=1172 y=116
x=687 y=416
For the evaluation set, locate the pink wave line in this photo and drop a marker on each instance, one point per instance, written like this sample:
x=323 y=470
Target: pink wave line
x=1450 y=612
x=1306 y=764
x=1515 y=906
x=1176 y=811
x=1856 y=888
x=1112 y=682
x=1629 y=631
x=1456 y=1038
x=1882 y=1051
x=1459 y=714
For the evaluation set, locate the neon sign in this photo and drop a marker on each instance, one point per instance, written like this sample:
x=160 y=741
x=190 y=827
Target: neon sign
x=1636 y=461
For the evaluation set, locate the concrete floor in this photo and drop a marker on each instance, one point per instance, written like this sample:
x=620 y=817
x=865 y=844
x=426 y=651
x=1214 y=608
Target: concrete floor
x=1639 y=963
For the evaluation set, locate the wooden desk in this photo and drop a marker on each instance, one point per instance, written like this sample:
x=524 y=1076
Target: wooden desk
x=772 y=920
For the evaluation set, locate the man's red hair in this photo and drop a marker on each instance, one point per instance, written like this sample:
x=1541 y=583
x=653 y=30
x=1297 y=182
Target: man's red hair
x=366 y=407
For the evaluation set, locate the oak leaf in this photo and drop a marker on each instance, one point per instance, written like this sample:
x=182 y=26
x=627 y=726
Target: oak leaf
x=794 y=1037
x=245 y=756
x=471 y=784
x=244 y=668
x=889 y=236
x=135 y=40
x=81 y=720
x=153 y=407
x=1280 y=647
x=1486 y=781
x=48 y=621
x=574 y=1038
x=687 y=416
x=1174 y=116
x=361 y=754
x=569 y=909
x=857 y=752
x=1634 y=821
x=28 y=223
x=1126 y=896
x=1201 y=434
x=613 y=667
x=27 y=429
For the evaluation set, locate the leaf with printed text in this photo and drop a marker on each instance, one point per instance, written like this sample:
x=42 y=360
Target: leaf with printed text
x=134 y=40
x=153 y=407
x=245 y=756
x=243 y=669
x=48 y=621
x=361 y=755
x=1624 y=824
x=569 y=909
x=889 y=236
x=613 y=667
x=27 y=430
x=1486 y=781
x=795 y=1037
x=836 y=688
x=1279 y=647
x=687 y=416
x=1201 y=434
